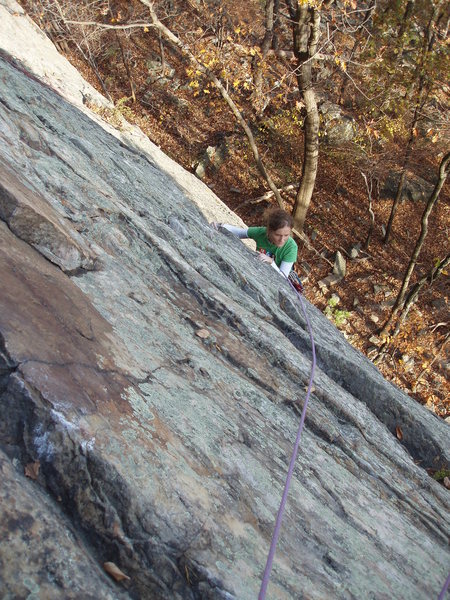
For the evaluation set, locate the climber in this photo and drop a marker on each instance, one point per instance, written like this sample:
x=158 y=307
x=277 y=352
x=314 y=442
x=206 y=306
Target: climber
x=273 y=242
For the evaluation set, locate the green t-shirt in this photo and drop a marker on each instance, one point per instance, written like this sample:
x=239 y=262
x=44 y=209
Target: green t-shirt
x=287 y=252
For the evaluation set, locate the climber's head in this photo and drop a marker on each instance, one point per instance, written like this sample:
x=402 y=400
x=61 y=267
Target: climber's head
x=279 y=226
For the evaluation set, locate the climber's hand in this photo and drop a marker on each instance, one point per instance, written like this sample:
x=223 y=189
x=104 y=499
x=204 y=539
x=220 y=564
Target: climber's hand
x=264 y=258
x=216 y=225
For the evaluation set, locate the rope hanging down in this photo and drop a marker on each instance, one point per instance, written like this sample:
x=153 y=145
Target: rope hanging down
x=444 y=589
x=267 y=570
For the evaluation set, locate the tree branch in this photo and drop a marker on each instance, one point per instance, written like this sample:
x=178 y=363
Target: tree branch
x=107 y=26
x=225 y=95
x=400 y=300
x=175 y=41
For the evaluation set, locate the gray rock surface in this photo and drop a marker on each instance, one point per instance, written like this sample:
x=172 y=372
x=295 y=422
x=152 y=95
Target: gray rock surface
x=338 y=127
x=158 y=386
x=31 y=219
x=340 y=265
x=213 y=158
x=46 y=557
x=415 y=188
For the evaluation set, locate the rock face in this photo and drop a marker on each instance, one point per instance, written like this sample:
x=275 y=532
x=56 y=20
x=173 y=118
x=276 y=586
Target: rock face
x=151 y=377
x=32 y=220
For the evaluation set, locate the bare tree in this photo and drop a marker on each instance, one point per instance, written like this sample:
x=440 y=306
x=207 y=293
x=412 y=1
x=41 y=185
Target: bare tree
x=413 y=294
x=406 y=17
x=175 y=41
x=305 y=21
x=400 y=300
x=258 y=61
x=127 y=67
x=421 y=85
x=369 y=188
x=410 y=300
x=163 y=31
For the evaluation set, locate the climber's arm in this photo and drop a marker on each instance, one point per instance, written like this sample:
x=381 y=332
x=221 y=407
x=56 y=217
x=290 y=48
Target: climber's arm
x=240 y=232
x=284 y=268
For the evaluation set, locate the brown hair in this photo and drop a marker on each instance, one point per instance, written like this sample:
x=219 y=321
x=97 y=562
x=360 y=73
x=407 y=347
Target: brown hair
x=276 y=218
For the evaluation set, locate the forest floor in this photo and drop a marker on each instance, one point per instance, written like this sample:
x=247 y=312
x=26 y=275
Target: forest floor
x=418 y=359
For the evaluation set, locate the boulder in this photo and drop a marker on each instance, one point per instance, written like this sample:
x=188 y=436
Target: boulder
x=338 y=128
x=155 y=69
x=415 y=188
x=340 y=265
x=213 y=158
x=329 y=281
x=127 y=436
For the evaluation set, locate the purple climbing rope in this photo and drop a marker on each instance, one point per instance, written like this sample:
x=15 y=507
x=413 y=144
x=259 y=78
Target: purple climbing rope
x=276 y=532
x=445 y=588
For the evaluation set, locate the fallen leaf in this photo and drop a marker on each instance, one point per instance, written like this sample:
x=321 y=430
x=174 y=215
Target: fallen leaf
x=114 y=571
x=32 y=470
x=399 y=433
x=202 y=333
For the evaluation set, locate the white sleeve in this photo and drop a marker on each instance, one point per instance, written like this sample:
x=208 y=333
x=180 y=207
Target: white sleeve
x=240 y=232
x=285 y=267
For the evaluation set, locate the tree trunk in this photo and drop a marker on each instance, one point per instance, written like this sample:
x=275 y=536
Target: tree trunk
x=369 y=189
x=406 y=16
x=401 y=183
x=344 y=77
x=127 y=68
x=399 y=302
x=91 y=61
x=398 y=195
x=422 y=93
x=276 y=20
x=411 y=299
x=258 y=61
x=361 y=34
x=305 y=28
